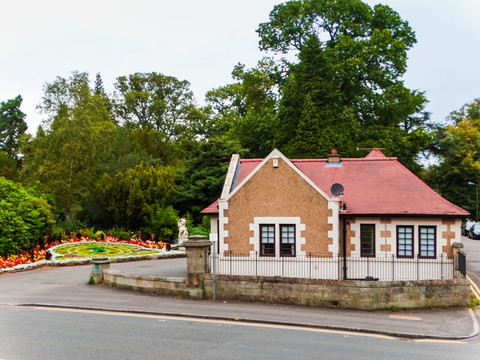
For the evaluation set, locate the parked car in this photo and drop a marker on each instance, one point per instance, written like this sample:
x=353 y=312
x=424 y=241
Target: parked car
x=474 y=232
x=467 y=227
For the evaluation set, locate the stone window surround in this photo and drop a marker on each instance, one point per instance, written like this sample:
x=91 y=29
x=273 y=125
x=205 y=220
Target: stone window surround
x=277 y=221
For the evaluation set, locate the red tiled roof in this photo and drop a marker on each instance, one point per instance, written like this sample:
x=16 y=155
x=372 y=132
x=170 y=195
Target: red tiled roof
x=375 y=185
x=211 y=209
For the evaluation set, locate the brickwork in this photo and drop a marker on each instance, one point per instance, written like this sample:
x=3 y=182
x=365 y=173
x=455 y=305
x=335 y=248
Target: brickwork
x=278 y=192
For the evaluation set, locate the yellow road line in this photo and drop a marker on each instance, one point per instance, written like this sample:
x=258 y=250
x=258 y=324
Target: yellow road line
x=474 y=288
x=405 y=317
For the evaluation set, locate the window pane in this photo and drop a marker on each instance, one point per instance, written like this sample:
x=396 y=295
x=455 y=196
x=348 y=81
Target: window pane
x=267 y=240
x=287 y=240
x=367 y=239
x=405 y=241
x=427 y=241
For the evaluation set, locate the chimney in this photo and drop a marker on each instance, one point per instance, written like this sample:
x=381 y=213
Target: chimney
x=334 y=157
x=334 y=160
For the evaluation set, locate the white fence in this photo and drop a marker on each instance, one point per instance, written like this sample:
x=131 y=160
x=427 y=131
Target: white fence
x=317 y=267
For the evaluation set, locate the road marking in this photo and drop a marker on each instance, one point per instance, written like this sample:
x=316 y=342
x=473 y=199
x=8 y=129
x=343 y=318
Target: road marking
x=405 y=317
x=215 y=321
x=238 y=323
x=474 y=288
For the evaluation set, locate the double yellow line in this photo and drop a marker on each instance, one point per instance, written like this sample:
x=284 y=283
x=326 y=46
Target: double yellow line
x=474 y=288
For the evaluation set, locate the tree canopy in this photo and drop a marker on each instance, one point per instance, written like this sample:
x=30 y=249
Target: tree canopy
x=12 y=126
x=348 y=77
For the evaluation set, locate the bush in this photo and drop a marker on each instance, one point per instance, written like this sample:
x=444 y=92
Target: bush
x=163 y=223
x=71 y=227
x=24 y=218
x=121 y=233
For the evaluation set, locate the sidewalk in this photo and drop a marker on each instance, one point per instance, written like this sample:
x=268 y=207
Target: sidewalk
x=66 y=287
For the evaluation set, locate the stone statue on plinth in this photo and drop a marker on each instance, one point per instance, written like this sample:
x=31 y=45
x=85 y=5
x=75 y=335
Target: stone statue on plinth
x=182 y=230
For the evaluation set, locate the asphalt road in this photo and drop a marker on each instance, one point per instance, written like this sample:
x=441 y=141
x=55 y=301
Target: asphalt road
x=472 y=250
x=47 y=334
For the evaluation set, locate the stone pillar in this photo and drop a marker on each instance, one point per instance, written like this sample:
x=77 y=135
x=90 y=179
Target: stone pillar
x=197 y=248
x=457 y=246
x=98 y=265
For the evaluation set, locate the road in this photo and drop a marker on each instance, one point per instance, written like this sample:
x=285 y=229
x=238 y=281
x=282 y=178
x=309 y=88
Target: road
x=472 y=249
x=49 y=333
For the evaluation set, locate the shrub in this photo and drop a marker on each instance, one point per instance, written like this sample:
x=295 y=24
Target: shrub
x=24 y=218
x=163 y=223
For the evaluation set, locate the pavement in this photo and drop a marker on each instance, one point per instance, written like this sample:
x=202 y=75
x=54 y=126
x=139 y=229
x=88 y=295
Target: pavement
x=66 y=287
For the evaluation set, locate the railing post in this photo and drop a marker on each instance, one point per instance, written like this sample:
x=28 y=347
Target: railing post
x=310 y=265
x=418 y=266
x=393 y=267
x=230 y=260
x=441 y=265
x=256 y=263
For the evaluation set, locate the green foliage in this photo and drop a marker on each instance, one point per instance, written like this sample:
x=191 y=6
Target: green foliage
x=24 y=218
x=155 y=101
x=474 y=302
x=130 y=196
x=346 y=88
x=458 y=146
x=163 y=223
x=313 y=117
x=201 y=181
x=8 y=166
x=245 y=112
x=64 y=155
x=121 y=233
x=12 y=126
x=71 y=226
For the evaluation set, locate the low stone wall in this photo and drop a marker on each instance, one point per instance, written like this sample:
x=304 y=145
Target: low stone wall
x=364 y=295
x=145 y=283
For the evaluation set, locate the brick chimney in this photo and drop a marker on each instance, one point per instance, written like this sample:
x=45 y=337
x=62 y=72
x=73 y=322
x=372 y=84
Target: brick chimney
x=334 y=157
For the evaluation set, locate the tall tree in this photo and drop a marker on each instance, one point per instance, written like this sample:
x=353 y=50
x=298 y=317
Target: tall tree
x=155 y=101
x=132 y=196
x=201 y=180
x=363 y=54
x=458 y=148
x=64 y=154
x=313 y=116
x=247 y=109
x=12 y=126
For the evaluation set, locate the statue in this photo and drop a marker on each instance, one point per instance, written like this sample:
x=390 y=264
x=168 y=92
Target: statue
x=182 y=230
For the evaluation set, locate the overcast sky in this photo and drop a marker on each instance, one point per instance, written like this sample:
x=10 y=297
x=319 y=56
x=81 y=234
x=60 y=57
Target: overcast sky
x=201 y=41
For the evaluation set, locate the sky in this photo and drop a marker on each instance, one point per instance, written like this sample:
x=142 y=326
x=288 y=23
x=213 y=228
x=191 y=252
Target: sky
x=201 y=42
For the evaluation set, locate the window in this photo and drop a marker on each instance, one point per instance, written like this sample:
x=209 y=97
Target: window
x=427 y=240
x=404 y=241
x=287 y=240
x=267 y=240
x=367 y=240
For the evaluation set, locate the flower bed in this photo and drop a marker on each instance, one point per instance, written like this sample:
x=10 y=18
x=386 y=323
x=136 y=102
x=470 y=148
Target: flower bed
x=80 y=250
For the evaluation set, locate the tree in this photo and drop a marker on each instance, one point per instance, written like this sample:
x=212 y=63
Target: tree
x=458 y=147
x=64 y=154
x=246 y=111
x=201 y=180
x=351 y=59
x=131 y=197
x=24 y=218
x=155 y=101
x=12 y=126
x=313 y=116
x=8 y=166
